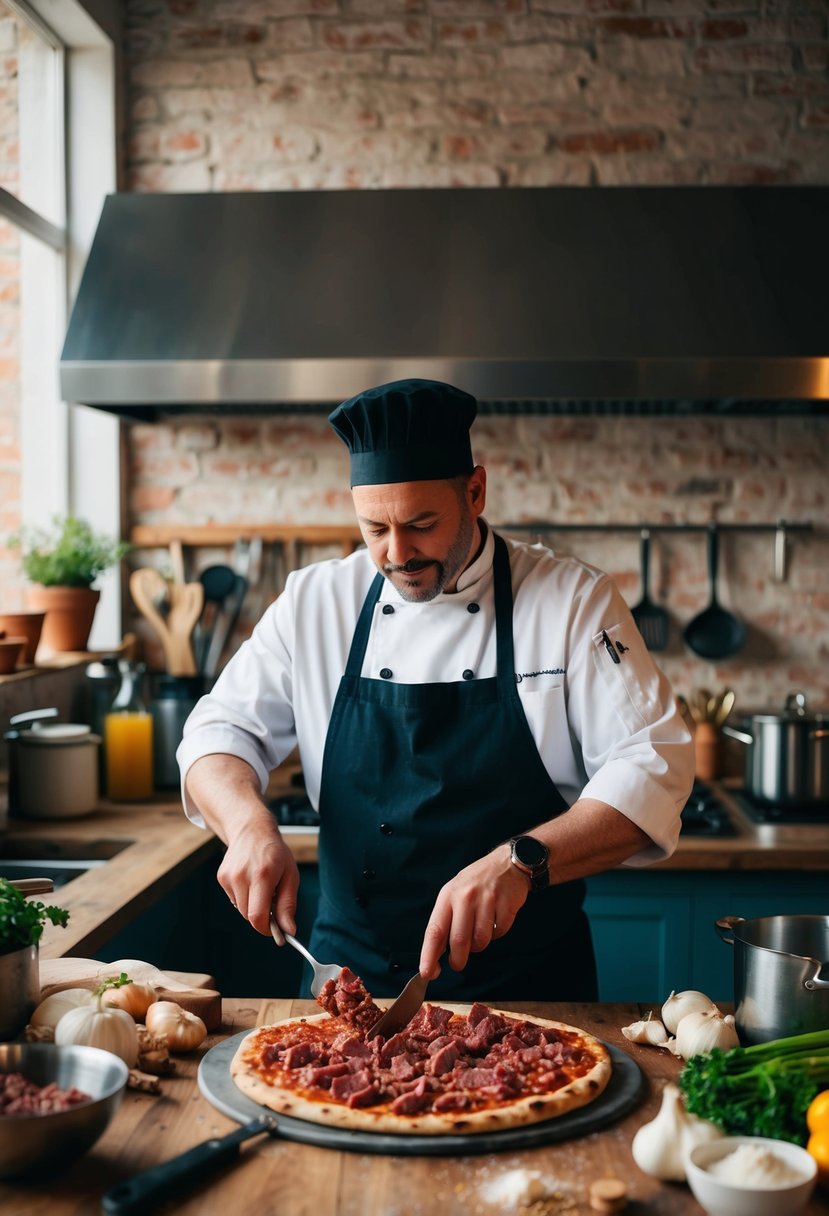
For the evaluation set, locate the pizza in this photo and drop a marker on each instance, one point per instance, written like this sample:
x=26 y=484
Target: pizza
x=453 y=1070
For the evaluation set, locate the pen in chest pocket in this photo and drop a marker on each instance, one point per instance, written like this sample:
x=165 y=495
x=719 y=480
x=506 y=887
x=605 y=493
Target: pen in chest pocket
x=609 y=647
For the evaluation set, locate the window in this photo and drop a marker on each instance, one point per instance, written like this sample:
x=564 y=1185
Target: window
x=57 y=161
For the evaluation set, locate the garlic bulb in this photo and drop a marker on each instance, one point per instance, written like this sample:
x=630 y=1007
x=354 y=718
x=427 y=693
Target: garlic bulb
x=52 y=1008
x=94 y=1026
x=183 y=1031
x=701 y=1031
x=679 y=1004
x=649 y=1030
x=660 y=1147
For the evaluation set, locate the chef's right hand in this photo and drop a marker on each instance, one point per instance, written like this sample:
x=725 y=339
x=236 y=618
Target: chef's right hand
x=259 y=873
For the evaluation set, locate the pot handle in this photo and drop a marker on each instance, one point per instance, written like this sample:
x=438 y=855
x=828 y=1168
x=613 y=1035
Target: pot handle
x=725 y=925
x=815 y=984
x=742 y=736
x=819 y=734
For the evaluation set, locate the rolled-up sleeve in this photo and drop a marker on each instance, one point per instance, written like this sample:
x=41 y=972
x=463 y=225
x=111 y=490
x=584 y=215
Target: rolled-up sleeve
x=249 y=711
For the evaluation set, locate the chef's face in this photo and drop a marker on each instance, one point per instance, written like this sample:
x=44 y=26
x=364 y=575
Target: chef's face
x=422 y=534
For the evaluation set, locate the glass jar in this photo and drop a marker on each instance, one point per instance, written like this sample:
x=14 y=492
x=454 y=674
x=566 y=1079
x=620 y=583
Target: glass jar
x=128 y=739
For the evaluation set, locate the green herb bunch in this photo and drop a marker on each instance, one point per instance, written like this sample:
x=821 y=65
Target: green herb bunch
x=68 y=555
x=764 y=1090
x=22 y=919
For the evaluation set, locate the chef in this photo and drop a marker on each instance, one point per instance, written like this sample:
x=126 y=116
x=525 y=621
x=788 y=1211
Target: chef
x=479 y=722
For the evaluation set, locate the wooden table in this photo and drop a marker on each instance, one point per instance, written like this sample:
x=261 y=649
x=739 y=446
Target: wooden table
x=277 y=1177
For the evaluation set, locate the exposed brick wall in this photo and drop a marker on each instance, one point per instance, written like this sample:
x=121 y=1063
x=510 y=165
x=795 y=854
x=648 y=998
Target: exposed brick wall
x=578 y=470
x=285 y=94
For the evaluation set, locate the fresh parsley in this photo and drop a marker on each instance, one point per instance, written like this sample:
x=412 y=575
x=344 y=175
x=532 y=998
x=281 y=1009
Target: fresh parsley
x=22 y=920
x=762 y=1090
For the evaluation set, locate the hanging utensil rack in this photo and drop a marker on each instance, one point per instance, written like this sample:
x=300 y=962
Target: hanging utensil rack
x=781 y=529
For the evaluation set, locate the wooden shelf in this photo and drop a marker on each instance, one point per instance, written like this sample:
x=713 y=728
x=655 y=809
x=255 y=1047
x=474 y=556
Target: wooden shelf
x=159 y=536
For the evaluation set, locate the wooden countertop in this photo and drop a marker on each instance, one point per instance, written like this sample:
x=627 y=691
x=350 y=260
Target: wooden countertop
x=272 y=1175
x=152 y=846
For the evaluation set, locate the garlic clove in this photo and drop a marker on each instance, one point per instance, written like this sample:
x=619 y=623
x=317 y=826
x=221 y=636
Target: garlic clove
x=660 y=1148
x=648 y=1030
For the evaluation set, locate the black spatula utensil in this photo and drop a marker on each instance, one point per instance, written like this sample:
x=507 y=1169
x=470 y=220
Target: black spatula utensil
x=715 y=633
x=651 y=620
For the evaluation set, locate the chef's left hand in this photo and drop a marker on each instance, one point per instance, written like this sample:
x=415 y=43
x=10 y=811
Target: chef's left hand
x=472 y=909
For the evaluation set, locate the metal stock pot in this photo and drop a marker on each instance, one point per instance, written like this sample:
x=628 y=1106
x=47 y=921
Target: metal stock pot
x=787 y=762
x=781 y=974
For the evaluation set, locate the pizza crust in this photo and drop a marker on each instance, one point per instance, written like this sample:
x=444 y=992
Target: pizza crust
x=516 y=1112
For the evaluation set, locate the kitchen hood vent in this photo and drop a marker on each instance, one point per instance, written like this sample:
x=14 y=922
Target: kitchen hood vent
x=562 y=300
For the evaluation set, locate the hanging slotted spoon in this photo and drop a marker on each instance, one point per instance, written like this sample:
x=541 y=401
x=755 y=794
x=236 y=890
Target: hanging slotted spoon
x=651 y=620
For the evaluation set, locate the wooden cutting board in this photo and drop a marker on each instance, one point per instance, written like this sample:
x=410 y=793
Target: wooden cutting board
x=192 y=990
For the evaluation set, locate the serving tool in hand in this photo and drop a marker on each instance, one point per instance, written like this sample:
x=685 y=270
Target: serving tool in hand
x=323 y=972
x=400 y=1012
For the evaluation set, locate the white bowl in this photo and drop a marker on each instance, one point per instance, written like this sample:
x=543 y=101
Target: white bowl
x=722 y=1198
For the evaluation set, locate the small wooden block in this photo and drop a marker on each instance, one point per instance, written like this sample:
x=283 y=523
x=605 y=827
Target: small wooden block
x=608 y=1195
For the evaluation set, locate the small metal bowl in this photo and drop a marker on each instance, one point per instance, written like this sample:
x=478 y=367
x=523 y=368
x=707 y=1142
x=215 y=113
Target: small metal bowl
x=28 y=1142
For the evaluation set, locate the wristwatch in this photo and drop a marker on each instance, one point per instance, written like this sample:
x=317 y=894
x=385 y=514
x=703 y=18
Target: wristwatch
x=531 y=857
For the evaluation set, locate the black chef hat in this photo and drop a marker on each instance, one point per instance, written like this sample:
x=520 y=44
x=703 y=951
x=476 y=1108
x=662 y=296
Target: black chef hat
x=409 y=430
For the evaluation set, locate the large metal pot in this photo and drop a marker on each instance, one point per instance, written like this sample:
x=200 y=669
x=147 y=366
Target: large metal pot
x=781 y=974
x=787 y=762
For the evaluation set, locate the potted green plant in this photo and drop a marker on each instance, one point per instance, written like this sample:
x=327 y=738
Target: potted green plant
x=22 y=922
x=62 y=563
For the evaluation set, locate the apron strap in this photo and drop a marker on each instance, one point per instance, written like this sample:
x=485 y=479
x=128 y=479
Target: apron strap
x=502 y=579
x=359 y=642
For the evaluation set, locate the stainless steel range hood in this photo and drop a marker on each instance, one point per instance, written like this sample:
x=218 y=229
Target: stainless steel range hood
x=533 y=299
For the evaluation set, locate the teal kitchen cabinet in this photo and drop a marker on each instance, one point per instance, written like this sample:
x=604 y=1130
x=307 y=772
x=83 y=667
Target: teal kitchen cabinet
x=653 y=930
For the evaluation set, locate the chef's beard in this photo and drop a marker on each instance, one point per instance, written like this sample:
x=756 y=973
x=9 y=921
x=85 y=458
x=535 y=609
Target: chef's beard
x=445 y=571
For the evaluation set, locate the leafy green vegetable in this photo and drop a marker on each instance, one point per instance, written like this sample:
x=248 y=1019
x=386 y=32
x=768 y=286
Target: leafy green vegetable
x=763 y=1090
x=22 y=919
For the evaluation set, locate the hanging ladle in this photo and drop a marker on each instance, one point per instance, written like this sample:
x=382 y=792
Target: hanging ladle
x=715 y=633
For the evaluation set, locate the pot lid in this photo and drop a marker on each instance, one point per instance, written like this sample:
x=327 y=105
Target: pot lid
x=58 y=733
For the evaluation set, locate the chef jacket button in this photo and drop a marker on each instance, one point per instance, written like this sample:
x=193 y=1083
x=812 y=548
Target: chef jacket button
x=360 y=901
x=368 y=873
x=468 y=675
x=388 y=609
x=395 y=967
x=473 y=608
x=386 y=829
x=385 y=673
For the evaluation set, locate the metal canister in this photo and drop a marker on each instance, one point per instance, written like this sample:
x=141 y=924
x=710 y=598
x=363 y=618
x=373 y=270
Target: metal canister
x=173 y=699
x=781 y=974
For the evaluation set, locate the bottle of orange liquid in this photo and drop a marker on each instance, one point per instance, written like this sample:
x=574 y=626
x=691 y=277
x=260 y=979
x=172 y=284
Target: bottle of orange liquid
x=128 y=739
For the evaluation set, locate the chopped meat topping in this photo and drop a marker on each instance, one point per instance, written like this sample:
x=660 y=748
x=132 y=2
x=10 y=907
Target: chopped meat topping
x=346 y=998
x=20 y=1096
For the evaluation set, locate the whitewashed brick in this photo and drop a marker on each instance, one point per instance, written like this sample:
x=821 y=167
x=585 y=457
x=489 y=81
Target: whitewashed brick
x=647 y=57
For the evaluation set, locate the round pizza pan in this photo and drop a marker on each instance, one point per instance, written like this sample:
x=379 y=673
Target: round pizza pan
x=620 y=1096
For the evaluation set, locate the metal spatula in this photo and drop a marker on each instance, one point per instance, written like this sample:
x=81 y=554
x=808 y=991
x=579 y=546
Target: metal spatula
x=651 y=620
x=401 y=1012
x=323 y=972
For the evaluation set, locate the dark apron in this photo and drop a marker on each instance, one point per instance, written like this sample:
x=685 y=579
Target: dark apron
x=418 y=781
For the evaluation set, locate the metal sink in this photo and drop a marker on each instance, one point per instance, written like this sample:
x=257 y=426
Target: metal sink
x=59 y=860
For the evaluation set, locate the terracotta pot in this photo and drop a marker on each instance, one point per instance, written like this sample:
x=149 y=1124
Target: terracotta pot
x=69 y=615
x=24 y=624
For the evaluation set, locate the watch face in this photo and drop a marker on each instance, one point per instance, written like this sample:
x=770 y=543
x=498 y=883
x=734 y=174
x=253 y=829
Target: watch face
x=530 y=852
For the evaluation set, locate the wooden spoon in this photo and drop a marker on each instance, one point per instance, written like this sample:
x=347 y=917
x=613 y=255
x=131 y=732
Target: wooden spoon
x=147 y=587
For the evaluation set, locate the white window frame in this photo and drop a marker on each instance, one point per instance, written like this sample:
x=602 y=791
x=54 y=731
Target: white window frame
x=70 y=454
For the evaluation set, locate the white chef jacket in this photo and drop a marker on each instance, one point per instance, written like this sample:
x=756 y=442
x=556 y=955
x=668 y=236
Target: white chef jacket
x=604 y=729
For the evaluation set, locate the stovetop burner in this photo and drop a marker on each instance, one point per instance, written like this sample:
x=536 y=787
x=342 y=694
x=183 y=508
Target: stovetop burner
x=704 y=814
x=765 y=812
